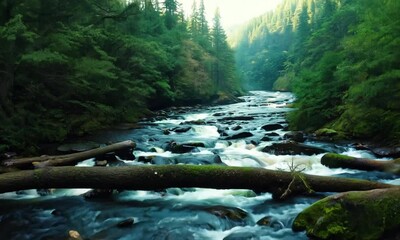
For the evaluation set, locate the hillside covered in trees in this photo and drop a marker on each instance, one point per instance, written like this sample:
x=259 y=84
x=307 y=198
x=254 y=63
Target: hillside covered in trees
x=71 y=67
x=341 y=59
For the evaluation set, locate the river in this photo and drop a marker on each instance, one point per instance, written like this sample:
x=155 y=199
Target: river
x=184 y=213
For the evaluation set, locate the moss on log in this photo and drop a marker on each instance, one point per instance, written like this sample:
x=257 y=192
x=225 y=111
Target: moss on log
x=334 y=160
x=159 y=177
x=371 y=214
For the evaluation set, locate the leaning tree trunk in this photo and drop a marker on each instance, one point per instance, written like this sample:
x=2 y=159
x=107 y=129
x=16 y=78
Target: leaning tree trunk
x=333 y=160
x=65 y=160
x=353 y=215
x=160 y=177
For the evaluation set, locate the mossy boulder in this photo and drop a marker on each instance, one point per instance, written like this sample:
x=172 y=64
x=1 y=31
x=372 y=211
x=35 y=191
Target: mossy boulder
x=326 y=132
x=371 y=214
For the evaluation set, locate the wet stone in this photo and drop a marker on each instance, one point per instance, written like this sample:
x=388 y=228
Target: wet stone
x=126 y=223
x=272 y=134
x=241 y=236
x=45 y=191
x=272 y=127
x=393 y=152
x=295 y=136
x=239 y=136
x=101 y=163
x=238 y=118
x=195 y=122
x=180 y=129
x=292 y=148
x=184 y=147
x=126 y=154
x=232 y=213
x=98 y=194
x=236 y=128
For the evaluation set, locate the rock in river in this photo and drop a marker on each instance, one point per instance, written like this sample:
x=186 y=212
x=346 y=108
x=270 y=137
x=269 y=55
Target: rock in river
x=272 y=127
x=239 y=136
x=292 y=148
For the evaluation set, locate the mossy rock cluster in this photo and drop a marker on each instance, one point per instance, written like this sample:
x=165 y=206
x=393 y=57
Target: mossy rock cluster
x=353 y=215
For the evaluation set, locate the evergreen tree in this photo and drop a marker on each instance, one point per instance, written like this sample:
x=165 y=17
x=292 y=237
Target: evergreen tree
x=171 y=13
x=224 y=72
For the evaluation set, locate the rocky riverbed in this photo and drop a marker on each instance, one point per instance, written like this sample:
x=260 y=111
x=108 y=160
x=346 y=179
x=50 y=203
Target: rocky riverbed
x=250 y=133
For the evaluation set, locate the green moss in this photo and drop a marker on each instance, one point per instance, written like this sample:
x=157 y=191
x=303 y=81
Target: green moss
x=326 y=132
x=334 y=160
x=353 y=215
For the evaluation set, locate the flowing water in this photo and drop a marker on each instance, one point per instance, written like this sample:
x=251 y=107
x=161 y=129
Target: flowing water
x=183 y=213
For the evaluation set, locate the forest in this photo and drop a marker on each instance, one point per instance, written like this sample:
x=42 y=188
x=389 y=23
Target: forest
x=340 y=58
x=133 y=119
x=68 y=68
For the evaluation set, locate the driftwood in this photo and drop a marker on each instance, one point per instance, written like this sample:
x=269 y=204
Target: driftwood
x=64 y=160
x=333 y=160
x=160 y=177
x=353 y=215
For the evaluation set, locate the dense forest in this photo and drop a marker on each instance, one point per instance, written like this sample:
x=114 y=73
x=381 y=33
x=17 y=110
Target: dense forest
x=71 y=67
x=341 y=59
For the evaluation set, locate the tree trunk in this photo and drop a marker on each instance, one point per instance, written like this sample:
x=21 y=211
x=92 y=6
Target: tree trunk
x=64 y=160
x=333 y=160
x=181 y=176
x=353 y=215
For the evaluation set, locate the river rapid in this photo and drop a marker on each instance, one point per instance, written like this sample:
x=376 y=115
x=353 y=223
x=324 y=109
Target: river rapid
x=184 y=213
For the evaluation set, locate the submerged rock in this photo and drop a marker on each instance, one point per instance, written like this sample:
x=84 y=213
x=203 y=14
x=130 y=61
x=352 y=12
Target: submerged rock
x=269 y=221
x=194 y=122
x=272 y=127
x=231 y=213
x=236 y=128
x=205 y=159
x=393 y=152
x=126 y=223
x=238 y=118
x=241 y=236
x=45 y=191
x=98 y=194
x=292 y=148
x=184 y=147
x=239 y=136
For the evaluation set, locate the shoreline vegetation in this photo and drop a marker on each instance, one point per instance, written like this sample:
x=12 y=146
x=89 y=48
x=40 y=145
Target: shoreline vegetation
x=340 y=58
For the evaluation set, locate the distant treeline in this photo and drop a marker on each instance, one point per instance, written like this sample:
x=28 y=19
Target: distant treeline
x=341 y=58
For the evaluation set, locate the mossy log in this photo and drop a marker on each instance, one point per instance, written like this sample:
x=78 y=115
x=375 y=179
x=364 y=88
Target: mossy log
x=181 y=176
x=64 y=160
x=371 y=214
x=333 y=160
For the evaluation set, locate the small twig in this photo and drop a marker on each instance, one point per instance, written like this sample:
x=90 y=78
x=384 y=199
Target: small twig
x=296 y=173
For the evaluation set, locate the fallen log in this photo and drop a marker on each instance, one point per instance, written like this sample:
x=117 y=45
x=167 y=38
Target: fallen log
x=65 y=160
x=180 y=176
x=353 y=215
x=334 y=160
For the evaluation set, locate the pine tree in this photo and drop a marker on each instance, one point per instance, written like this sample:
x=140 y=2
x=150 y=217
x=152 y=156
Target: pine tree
x=171 y=13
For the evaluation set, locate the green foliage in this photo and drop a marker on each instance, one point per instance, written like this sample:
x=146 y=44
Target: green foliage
x=341 y=59
x=72 y=67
